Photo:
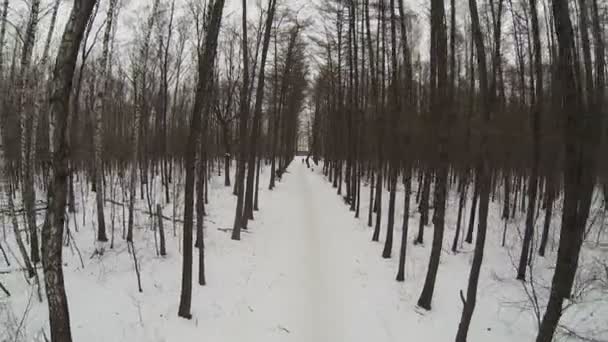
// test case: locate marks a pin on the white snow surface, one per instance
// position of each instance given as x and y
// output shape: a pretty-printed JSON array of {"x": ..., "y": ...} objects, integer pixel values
[{"x": 305, "y": 271}]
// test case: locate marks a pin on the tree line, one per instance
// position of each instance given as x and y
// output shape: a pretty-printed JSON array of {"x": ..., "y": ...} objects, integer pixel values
[
  {"x": 510, "y": 99},
  {"x": 193, "y": 93}
]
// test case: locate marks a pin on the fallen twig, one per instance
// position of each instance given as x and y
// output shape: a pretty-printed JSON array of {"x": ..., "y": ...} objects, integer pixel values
[
  {"x": 3, "y": 288},
  {"x": 230, "y": 229}
]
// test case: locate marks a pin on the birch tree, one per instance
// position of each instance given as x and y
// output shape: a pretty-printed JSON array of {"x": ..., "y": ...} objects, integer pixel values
[
  {"x": 52, "y": 232},
  {"x": 206, "y": 59},
  {"x": 27, "y": 81},
  {"x": 98, "y": 124}
]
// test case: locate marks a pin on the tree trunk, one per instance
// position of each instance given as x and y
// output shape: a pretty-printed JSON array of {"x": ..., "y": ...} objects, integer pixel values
[
  {"x": 52, "y": 233},
  {"x": 439, "y": 95},
  {"x": 537, "y": 104},
  {"x": 259, "y": 99},
  {"x": 407, "y": 180},
  {"x": 549, "y": 199},
  {"x": 140, "y": 92},
  {"x": 244, "y": 117},
  {"x": 98, "y": 115},
  {"x": 3, "y": 33},
  {"x": 27, "y": 79},
  {"x": 483, "y": 177},
  {"x": 461, "y": 202},
  {"x": 423, "y": 207},
  {"x": 205, "y": 74},
  {"x": 469, "y": 237},
  {"x": 379, "y": 187},
  {"x": 581, "y": 138},
  {"x": 161, "y": 230},
  {"x": 394, "y": 122},
  {"x": 371, "y": 201}
]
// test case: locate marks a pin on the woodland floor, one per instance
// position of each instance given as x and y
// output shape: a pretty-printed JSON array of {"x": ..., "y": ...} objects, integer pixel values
[{"x": 305, "y": 270}]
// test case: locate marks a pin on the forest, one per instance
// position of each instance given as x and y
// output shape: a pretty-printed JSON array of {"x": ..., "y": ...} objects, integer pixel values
[{"x": 284, "y": 170}]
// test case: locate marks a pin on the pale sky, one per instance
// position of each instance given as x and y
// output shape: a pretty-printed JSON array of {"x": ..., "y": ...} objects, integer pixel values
[{"x": 134, "y": 12}]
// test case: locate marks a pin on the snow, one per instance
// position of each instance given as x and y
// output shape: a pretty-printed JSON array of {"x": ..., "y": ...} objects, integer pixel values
[{"x": 305, "y": 270}]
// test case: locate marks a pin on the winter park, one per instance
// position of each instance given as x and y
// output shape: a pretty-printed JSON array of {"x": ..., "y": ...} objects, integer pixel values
[{"x": 303, "y": 171}]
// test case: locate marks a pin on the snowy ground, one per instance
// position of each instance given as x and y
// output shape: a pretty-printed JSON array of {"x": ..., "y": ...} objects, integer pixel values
[{"x": 306, "y": 270}]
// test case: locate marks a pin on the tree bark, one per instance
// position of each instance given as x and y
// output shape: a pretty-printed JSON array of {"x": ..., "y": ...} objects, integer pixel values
[
  {"x": 257, "y": 114},
  {"x": 27, "y": 79},
  {"x": 140, "y": 90},
  {"x": 244, "y": 117},
  {"x": 205, "y": 74},
  {"x": 98, "y": 115},
  {"x": 439, "y": 95},
  {"x": 5, "y": 4},
  {"x": 407, "y": 180},
  {"x": 537, "y": 106},
  {"x": 581, "y": 138},
  {"x": 483, "y": 177},
  {"x": 52, "y": 232}
]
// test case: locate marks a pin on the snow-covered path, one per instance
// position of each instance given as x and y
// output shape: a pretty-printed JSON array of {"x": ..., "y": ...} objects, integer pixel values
[
  {"x": 307, "y": 271},
  {"x": 310, "y": 266}
]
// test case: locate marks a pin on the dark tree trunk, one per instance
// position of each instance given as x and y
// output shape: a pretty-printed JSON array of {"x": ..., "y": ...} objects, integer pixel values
[
  {"x": 469, "y": 237},
  {"x": 371, "y": 201},
  {"x": 376, "y": 235},
  {"x": 507, "y": 199},
  {"x": 483, "y": 177},
  {"x": 535, "y": 126},
  {"x": 244, "y": 117},
  {"x": 423, "y": 208},
  {"x": 256, "y": 205},
  {"x": 581, "y": 138},
  {"x": 462, "y": 199},
  {"x": 393, "y": 172},
  {"x": 52, "y": 232},
  {"x": 257, "y": 116},
  {"x": 161, "y": 230},
  {"x": 549, "y": 198},
  {"x": 407, "y": 180},
  {"x": 438, "y": 102},
  {"x": 205, "y": 74}
]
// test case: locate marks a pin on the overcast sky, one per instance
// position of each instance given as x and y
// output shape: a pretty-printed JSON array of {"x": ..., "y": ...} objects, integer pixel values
[{"x": 134, "y": 12}]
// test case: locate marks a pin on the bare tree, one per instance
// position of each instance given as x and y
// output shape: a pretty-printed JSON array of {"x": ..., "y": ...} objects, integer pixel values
[
  {"x": 439, "y": 95},
  {"x": 581, "y": 138},
  {"x": 27, "y": 83},
  {"x": 537, "y": 107},
  {"x": 98, "y": 116},
  {"x": 244, "y": 117},
  {"x": 257, "y": 113},
  {"x": 483, "y": 176},
  {"x": 206, "y": 59},
  {"x": 52, "y": 232}
]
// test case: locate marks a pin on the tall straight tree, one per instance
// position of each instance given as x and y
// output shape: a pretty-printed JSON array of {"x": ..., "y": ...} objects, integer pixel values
[
  {"x": 244, "y": 117},
  {"x": 407, "y": 177},
  {"x": 27, "y": 84},
  {"x": 52, "y": 231},
  {"x": 380, "y": 122},
  {"x": 581, "y": 138},
  {"x": 537, "y": 107},
  {"x": 206, "y": 59},
  {"x": 394, "y": 121},
  {"x": 139, "y": 81},
  {"x": 483, "y": 177},
  {"x": 43, "y": 87},
  {"x": 439, "y": 95},
  {"x": 257, "y": 113},
  {"x": 102, "y": 66}
]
